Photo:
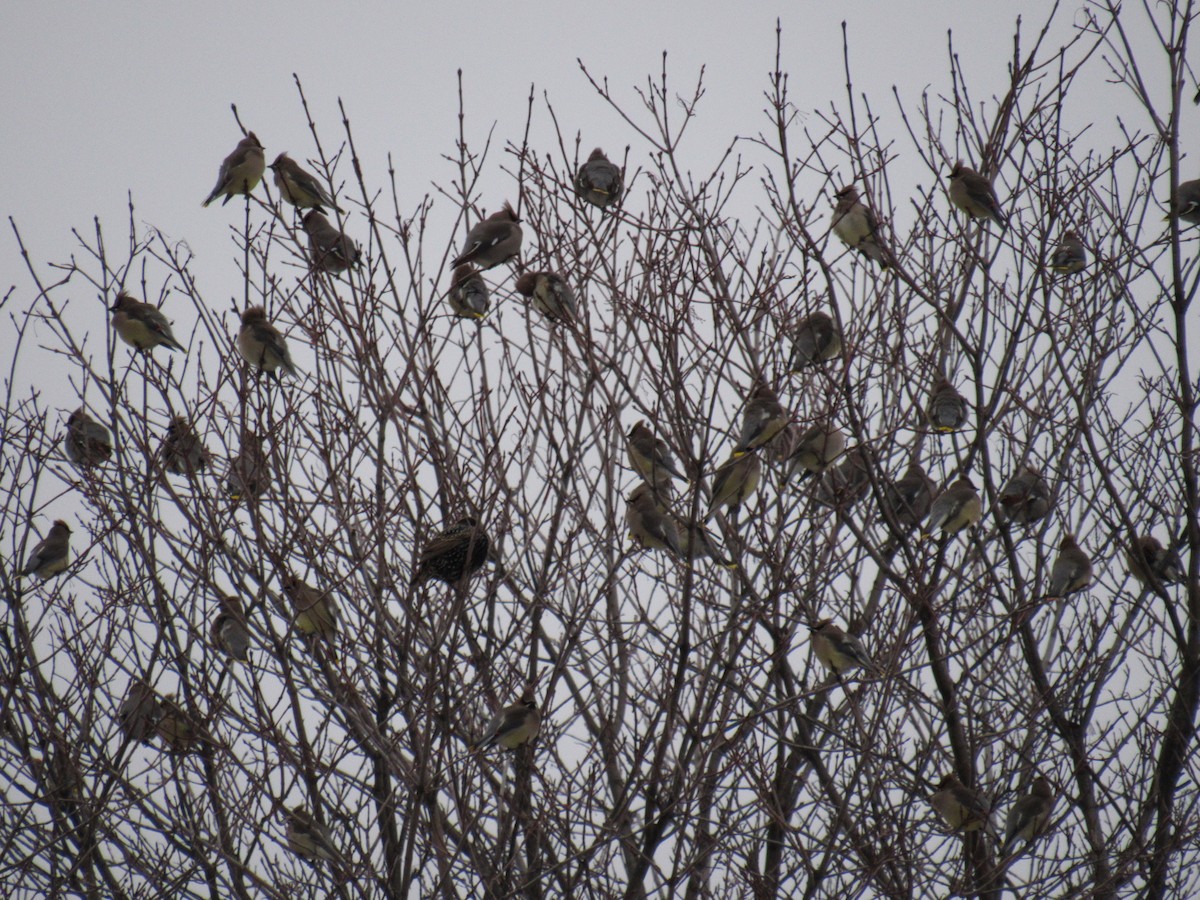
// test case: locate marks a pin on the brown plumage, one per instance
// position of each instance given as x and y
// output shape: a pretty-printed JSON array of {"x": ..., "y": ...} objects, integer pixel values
[
  {"x": 763, "y": 418},
  {"x": 241, "y": 170},
  {"x": 551, "y": 295},
  {"x": 493, "y": 241},
  {"x": 468, "y": 296},
  {"x": 855, "y": 225},
  {"x": 181, "y": 452},
  {"x": 261, "y": 344},
  {"x": 959, "y": 806},
  {"x": 911, "y": 496},
  {"x": 847, "y": 482},
  {"x": 139, "y": 712},
  {"x": 457, "y": 553},
  {"x": 974, "y": 195},
  {"x": 1025, "y": 498},
  {"x": 1072, "y": 570},
  {"x": 1070, "y": 256},
  {"x": 947, "y": 410},
  {"x": 599, "y": 181},
  {"x": 142, "y": 325},
  {"x": 332, "y": 249},
  {"x": 817, "y": 339},
  {"x": 249, "y": 472},
  {"x": 52, "y": 554},
  {"x": 229, "y": 632},
  {"x": 956, "y": 508},
  {"x": 815, "y": 450},
  {"x": 1149, "y": 560},
  {"x": 88, "y": 443},
  {"x": 513, "y": 725},
  {"x": 300, "y": 187},
  {"x": 650, "y": 526}
]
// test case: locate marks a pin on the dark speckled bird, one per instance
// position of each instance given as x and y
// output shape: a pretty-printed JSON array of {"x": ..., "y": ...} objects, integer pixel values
[
  {"x": 182, "y": 453},
  {"x": 456, "y": 553}
]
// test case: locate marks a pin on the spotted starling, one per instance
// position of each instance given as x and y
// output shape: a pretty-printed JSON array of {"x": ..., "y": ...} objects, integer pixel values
[{"x": 458, "y": 552}]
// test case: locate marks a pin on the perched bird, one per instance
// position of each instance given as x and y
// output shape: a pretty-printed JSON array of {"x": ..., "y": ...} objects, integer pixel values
[
  {"x": 734, "y": 482},
  {"x": 974, "y": 195},
  {"x": 174, "y": 728},
  {"x": 551, "y": 294},
  {"x": 300, "y": 187},
  {"x": 142, "y": 325},
  {"x": 308, "y": 838},
  {"x": 1029, "y": 816},
  {"x": 650, "y": 526},
  {"x": 229, "y": 632},
  {"x": 847, "y": 482},
  {"x": 1071, "y": 572},
  {"x": 1185, "y": 203},
  {"x": 1070, "y": 256},
  {"x": 88, "y": 443},
  {"x": 454, "y": 555},
  {"x": 249, "y": 472},
  {"x": 260, "y": 344},
  {"x": 469, "y": 293},
  {"x": 763, "y": 418},
  {"x": 700, "y": 543},
  {"x": 855, "y": 225},
  {"x": 1150, "y": 561},
  {"x": 52, "y": 553},
  {"x": 241, "y": 170},
  {"x": 815, "y": 450},
  {"x": 956, "y": 508},
  {"x": 817, "y": 340},
  {"x": 181, "y": 452},
  {"x": 314, "y": 614},
  {"x": 839, "y": 652},
  {"x": 960, "y": 807},
  {"x": 1025, "y": 498},
  {"x": 512, "y": 726},
  {"x": 495, "y": 240},
  {"x": 652, "y": 459},
  {"x": 911, "y": 496},
  {"x": 139, "y": 712},
  {"x": 599, "y": 181},
  {"x": 332, "y": 250},
  {"x": 947, "y": 410}
]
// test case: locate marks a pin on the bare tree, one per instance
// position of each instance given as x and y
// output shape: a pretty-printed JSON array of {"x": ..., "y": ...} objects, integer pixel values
[{"x": 429, "y": 523}]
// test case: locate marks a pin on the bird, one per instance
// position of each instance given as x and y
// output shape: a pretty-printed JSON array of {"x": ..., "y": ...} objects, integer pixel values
[
  {"x": 734, "y": 482},
  {"x": 469, "y": 293},
  {"x": 974, "y": 195},
  {"x": 816, "y": 340},
  {"x": 1030, "y": 815},
  {"x": 249, "y": 472},
  {"x": 314, "y": 613},
  {"x": 848, "y": 482},
  {"x": 960, "y": 807},
  {"x": 599, "y": 181},
  {"x": 139, "y": 712},
  {"x": 551, "y": 294},
  {"x": 516, "y": 724},
  {"x": 88, "y": 443},
  {"x": 815, "y": 450},
  {"x": 241, "y": 170},
  {"x": 493, "y": 241},
  {"x": 52, "y": 554},
  {"x": 763, "y": 418},
  {"x": 332, "y": 250},
  {"x": 1070, "y": 257},
  {"x": 652, "y": 459},
  {"x": 142, "y": 325},
  {"x": 911, "y": 496},
  {"x": 308, "y": 838},
  {"x": 454, "y": 555},
  {"x": 1149, "y": 560},
  {"x": 700, "y": 543},
  {"x": 947, "y": 410},
  {"x": 838, "y": 652},
  {"x": 1072, "y": 570},
  {"x": 650, "y": 526},
  {"x": 855, "y": 225},
  {"x": 956, "y": 508},
  {"x": 300, "y": 187},
  {"x": 229, "y": 632},
  {"x": 1025, "y": 497},
  {"x": 182, "y": 452},
  {"x": 260, "y": 344},
  {"x": 174, "y": 727},
  {"x": 1185, "y": 202}
]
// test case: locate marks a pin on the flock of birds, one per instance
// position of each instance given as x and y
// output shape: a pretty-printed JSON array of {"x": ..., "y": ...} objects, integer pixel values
[{"x": 453, "y": 556}]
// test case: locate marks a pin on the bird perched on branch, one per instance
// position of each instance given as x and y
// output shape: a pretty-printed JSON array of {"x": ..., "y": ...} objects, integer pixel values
[
  {"x": 956, "y": 508},
  {"x": 468, "y": 294},
  {"x": 735, "y": 481},
  {"x": 1072, "y": 570},
  {"x": 960, "y": 807},
  {"x": 911, "y": 496},
  {"x": 512, "y": 726},
  {"x": 241, "y": 170},
  {"x": 139, "y": 712},
  {"x": 308, "y": 838},
  {"x": 763, "y": 418},
  {"x": 493, "y": 241},
  {"x": 817, "y": 339},
  {"x": 1185, "y": 203},
  {"x": 142, "y": 325},
  {"x": 229, "y": 632},
  {"x": 454, "y": 555},
  {"x": 332, "y": 249},
  {"x": 249, "y": 472},
  {"x": 599, "y": 181},
  {"x": 855, "y": 225},
  {"x": 181, "y": 452},
  {"x": 974, "y": 195},
  {"x": 1025, "y": 498},
  {"x": 260, "y": 344},
  {"x": 1029, "y": 816},
  {"x": 52, "y": 554},
  {"x": 1069, "y": 256},
  {"x": 1149, "y": 560},
  {"x": 848, "y": 482},
  {"x": 314, "y": 613},
  {"x": 300, "y": 187},
  {"x": 838, "y": 652},
  {"x": 947, "y": 410},
  {"x": 174, "y": 727},
  {"x": 551, "y": 294},
  {"x": 651, "y": 458},
  {"x": 650, "y": 525},
  {"x": 88, "y": 443},
  {"x": 815, "y": 450}
]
